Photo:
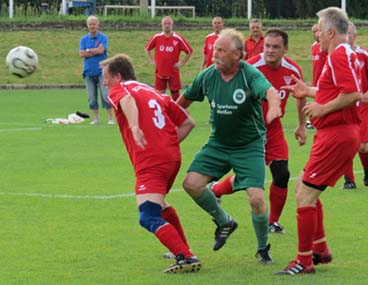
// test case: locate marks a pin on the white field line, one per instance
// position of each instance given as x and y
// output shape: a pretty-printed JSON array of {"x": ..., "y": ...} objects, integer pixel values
[
  {"x": 96, "y": 197},
  {"x": 20, "y": 129}
]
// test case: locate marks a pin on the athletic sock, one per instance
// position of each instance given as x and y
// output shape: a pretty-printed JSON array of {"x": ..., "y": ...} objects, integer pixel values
[
  {"x": 319, "y": 234},
  {"x": 207, "y": 201},
  {"x": 260, "y": 225},
  {"x": 170, "y": 238},
  {"x": 277, "y": 198},
  {"x": 169, "y": 215},
  {"x": 224, "y": 187},
  {"x": 307, "y": 220},
  {"x": 364, "y": 160},
  {"x": 349, "y": 174}
]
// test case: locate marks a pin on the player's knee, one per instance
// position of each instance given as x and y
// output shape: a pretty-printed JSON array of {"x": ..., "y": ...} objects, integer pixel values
[
  {"x": 280, "y": 173},
  {"x": 150, "y": 216},
  {"x": 257, "y": 202},
  {"x": 193, "y": 187}
]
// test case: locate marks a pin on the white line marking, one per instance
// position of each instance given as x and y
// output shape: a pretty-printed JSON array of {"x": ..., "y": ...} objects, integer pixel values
[{"x": 20, "y": 130}]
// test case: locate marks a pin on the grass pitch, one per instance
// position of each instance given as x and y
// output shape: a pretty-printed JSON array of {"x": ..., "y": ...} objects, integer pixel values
[{"x": 69, "y": 214}]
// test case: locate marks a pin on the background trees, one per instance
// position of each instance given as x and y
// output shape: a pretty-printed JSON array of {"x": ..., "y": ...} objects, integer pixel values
[{"x": 288, "y": 9}]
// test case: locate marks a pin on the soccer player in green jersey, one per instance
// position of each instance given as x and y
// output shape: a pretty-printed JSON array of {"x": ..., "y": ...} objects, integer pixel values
[{"x": 234, "y": 90}]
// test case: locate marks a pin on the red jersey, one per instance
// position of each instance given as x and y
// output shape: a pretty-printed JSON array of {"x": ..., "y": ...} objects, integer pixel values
[
  {"x": 362, "y": 55},
  {"x": 167, "y": 52},
  {"x": 208, "y": 47},
  {"x": 278, "y": 77},
  {"x": 341, "y": 74},
  {"x": 253, "y": 48},
  {"x": 158, "y": 118},
  {"x": 319, "y": 57}
]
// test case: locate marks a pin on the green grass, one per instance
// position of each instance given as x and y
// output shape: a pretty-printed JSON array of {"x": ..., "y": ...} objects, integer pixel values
[
  {"x": 60, "y": 63},
  {"x": 69, "y": 216}
]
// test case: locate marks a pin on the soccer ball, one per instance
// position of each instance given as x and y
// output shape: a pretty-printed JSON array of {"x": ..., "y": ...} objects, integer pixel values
[{"x": 22, "y": 61}]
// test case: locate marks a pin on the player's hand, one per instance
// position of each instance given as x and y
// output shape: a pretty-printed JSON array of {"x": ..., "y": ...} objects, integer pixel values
[
  {"x": 299, "y": 89},
  {"x": 365, "y": 98},
  {"x": 139, "y": 137},
  {"x": 300, "y": 134},
  {"x": 178, "y": 65},
  {"x": 313, "y": 110}
]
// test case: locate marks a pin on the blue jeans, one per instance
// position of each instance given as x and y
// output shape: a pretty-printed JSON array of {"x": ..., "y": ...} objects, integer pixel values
[{"x": 93, "y": 83}]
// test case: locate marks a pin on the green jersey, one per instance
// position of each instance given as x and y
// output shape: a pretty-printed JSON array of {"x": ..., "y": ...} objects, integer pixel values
[{"x": 236, "y": 111}]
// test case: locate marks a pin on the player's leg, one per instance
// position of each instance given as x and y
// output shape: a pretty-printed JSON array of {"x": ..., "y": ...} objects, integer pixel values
[
  {"x": 321, "y": 252},
  {"x": 91, "y": 87},
  {"x": 278, "y": 193},
  {"x": 349, "y": 178},
  {"x": 175, "y": 86},
  {"x": 250, "y": 171},
  {"x": 329, "y": 158},
  {"x": 363, "y": 155},
  {"x": 306, "y": 223},
  {"x": 208, "y": 164},
  {"x": 160, "y": 84},
  {"x": 150, "y": 201},
  {"x": 257, "y": 201},
  {"x": 168, "y": 212}
]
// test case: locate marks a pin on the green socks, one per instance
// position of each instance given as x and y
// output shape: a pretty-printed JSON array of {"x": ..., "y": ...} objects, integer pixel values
[
  {"x": 260, "y": 224},
  {"x": 207, "y": 201}
]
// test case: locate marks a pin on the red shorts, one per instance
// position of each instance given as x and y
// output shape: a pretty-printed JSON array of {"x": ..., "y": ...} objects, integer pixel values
[
  {"x": 157, "y": 179},
  {"x": 276, "y": 146},
  {"x": 332, "y": 151},
  {"x": 363, "y": 116},
  {"x": 173, "y": 82}
]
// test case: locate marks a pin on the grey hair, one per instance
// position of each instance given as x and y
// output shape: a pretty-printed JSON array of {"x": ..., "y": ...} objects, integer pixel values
[
  {"x": 353, "y": 28},
  {"x": 92, "y": 17},
  {"x": 334, "y": 18},
  {"x": 237, "y": 39},
  {"x": 255, "y": 21}
]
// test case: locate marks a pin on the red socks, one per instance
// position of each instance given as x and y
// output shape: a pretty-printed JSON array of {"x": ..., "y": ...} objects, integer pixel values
[
  {"x": 320, "y": 230},
  {"x": 307, "y": 222},
  {"x": 277, "y": 198},
  {"x": 224, "y": 187},
  {"x": 364, "y": 160},
  {"x": 169, "y": 215},
  {"x": 170, "y": 238}
]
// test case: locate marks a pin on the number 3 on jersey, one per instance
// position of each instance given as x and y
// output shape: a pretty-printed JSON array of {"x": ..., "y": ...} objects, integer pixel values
[{"x": 158, "y": 119}]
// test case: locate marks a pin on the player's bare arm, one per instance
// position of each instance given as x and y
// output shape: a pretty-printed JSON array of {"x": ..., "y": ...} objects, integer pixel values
[
  {"x": 274, "y": 101},
  {"x": 183, "y": 102},
  {"x": 316, "y": 110},
  {"x": 185, "y": 128},
  {"x": 150, "y": 57},
  {"x": 131, "y": 113}
]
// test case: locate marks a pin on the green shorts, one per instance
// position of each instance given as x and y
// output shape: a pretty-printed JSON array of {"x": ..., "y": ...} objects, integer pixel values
[{"x": 248, "y": 163}]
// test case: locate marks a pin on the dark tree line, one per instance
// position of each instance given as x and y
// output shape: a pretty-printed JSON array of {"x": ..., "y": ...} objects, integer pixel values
[{"x": 288, "y": 9}]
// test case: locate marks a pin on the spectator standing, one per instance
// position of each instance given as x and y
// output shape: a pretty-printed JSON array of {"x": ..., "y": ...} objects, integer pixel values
[{"x": 93, "y": 49}]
